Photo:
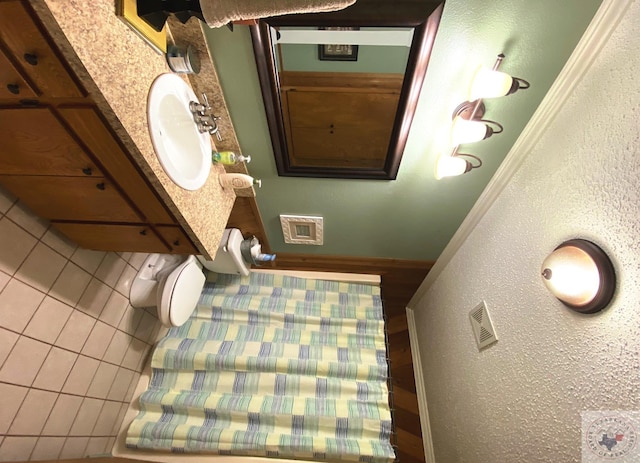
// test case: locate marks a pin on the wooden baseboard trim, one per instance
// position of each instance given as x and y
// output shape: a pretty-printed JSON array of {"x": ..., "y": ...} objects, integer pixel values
[{"x": 347, "y": 264}]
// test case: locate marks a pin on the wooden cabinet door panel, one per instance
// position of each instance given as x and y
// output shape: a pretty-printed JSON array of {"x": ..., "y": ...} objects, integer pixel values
[
  {"x": 339, "y": 147},
  {"x": 32, "y": 50},
  {"x": 71, "y": 198},
  {"x": 177, "y": 239},
  {"x": 34, "y": 142},
  {"x": 111, "y": 237},
  {"x": 12, "y": 85},
  {"x": 90, "y": 128},
  {"x": 371, "y": 111}
]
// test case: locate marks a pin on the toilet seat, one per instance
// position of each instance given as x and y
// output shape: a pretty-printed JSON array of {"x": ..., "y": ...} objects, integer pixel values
[{"x": 180, "y": 293}]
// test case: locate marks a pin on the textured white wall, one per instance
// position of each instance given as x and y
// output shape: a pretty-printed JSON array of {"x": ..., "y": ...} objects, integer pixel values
[{"x": 520, "y": 400}]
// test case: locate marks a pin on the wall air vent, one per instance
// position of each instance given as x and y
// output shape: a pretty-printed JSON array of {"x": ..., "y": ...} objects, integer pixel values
[
  {"x": 482, "y": 327},
  {"x": 302, "y": 229}
]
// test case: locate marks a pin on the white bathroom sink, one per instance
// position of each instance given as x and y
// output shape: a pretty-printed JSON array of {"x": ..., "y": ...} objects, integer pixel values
[{"x": 183, "y": 152}]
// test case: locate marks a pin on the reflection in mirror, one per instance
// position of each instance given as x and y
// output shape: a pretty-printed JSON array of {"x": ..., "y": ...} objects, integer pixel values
[{"x": 340, "y": 94}]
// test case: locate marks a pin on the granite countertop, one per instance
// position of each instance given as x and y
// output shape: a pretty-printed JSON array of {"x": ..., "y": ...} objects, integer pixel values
[{"x": 117, "y": 68}]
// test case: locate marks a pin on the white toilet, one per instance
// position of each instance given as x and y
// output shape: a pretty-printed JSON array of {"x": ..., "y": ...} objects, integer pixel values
[{"x": 173, "y": 283}]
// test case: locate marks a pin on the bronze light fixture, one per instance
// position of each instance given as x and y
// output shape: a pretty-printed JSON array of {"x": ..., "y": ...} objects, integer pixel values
[
  {"x": 468, "y": 125},
  {"x": 580, "y": 274}
]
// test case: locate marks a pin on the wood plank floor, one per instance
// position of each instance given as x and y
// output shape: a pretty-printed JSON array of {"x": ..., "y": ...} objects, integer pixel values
[{"x": 397, "y": 289}]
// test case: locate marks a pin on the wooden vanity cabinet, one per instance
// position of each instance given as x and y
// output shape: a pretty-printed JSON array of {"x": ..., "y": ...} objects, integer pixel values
[
  {"x": 177, "y": 239},
  {"x": 35, "y": 142},
  {"x": 61, "y": 159},
  {"x": 30, "y": 49},
  {"x": 12, "y": 84},
  {"x": 110, "y": 237},
  {"x": 89, "y": 128}
]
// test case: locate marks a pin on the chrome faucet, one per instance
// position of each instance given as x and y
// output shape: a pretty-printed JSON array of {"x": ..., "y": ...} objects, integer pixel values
[{"x": 204, "y": 118}]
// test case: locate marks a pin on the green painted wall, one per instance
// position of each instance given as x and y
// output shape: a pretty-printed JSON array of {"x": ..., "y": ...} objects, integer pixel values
[
  {"x": 381, "y": 59},
  {"x": 414, "y": 216},
  {"x": 389, "y": 60}
]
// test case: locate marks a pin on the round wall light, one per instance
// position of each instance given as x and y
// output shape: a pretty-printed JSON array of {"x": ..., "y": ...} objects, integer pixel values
[{"x": 580, "y": 275}]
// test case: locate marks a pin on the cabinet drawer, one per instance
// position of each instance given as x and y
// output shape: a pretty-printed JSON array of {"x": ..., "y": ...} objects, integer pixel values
[
  {"x": 111, "y": 237},
  {"x": 89, "y": 127},
  {"x": 34, "y": 142},
  {"x": 33, "y": 52},
  {"x": 178, "y": 240},
  {"x": 71, "y": 198},
  {"x": 12, "y": 85}
]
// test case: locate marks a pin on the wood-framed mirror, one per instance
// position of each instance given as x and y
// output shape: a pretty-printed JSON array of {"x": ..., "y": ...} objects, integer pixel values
[{"x": 354, "y": 151}]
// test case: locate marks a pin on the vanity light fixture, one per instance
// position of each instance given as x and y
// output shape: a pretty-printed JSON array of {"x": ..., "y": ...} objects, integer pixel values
[
  {"x": 580, "y": 274},
  {"x": 469, "y": 131},
  {"x": 491, "y": 83},
  {"x": 455, "y": 164},
  {"x": 468, "y": 125}
]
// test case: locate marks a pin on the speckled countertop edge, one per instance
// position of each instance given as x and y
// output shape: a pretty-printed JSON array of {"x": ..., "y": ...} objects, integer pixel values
[{"x": 117, "y": 68}]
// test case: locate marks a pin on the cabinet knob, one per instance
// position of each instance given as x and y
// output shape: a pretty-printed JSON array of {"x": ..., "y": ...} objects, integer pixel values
[
  {"x": 31, "y": 59},
  {"x": 101, "y": 186},
  {"x": 176, "y": 243},
  {"x": 13, "y": 88},
  {"x": 143, "y": 232},
  {"x": 87, "y": 171}
]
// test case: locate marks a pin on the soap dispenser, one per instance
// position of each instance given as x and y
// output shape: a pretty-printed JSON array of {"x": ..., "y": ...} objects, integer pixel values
[
  {"x": 229, "y": 158},
  {"x": 238, "y": 181}
]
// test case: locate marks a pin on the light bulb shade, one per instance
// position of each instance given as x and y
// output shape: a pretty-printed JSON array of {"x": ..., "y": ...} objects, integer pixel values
[
  {"x": 580, "y": 275},
  {"x": 488, "y": 83},
  {"x": 468, "y": 131},
  {"x": 450, "y": 166}
]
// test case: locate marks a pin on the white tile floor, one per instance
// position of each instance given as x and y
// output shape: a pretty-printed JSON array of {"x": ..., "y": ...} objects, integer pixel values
[{"x": 71, "y": 346}]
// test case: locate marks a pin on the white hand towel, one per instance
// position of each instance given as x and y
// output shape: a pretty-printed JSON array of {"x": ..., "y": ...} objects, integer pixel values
[{"x": 217, "y": 13}]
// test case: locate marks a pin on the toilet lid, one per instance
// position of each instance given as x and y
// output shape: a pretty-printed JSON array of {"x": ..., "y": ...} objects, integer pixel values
[{"x": 181, "y": 293}]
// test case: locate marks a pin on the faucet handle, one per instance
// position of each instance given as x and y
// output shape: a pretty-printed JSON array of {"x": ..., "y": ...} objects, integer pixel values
[
  {"x": 196, "y": 108},
  {"x": 215, "y": 130},
  {"x": 206, "y": 105}
]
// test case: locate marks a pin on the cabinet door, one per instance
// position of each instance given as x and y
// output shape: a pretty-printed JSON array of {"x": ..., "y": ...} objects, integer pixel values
[
  {"x": 340, "y": 128},
  {"x": 71, "y": 198},
  {"x": 177, "y": 239},
  {"x": 34, "y": 142},
  {"x": 91, "y": 130},
  {"x": 33, "y": 52},
  {"x": 111, "y": 237},
  {"x": 12, "y": 85}
]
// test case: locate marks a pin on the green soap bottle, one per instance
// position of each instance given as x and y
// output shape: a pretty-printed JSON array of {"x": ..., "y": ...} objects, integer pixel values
[{"x": 228, "y": 158}]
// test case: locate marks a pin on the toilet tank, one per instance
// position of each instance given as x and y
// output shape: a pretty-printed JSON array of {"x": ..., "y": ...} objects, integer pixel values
[{"x": 228, "y": 258}]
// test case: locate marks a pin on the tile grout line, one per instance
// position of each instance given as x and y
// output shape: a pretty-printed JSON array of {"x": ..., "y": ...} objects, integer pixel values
[
  {"x": 69, "y": 393},
  {"x": 21, "y": 333},
  {"x": 149, "y": 344},
  {"x": 146, "y": 338}
]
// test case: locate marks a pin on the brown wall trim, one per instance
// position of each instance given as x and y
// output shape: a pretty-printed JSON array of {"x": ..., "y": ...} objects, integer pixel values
[{"x": 347, "y": 264}]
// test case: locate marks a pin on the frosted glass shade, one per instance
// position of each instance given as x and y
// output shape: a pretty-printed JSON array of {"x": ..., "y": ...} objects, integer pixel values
[
  {"x": 450, "y": 166},
  {"x": 488, "y": 83},
  {"x": 580, "y": 275},
  {"x": 465, "y": 131}
]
